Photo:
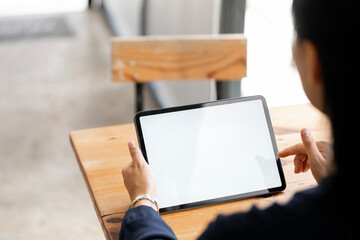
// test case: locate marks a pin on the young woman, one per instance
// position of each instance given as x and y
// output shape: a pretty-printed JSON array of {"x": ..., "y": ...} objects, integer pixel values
[{"x": 326, "y": 52}]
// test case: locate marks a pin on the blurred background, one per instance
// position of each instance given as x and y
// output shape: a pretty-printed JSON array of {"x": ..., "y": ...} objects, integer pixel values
[{"x": 55, "y": 77}]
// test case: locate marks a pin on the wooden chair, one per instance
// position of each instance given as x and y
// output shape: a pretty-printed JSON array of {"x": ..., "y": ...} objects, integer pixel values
[{"x": 148, "y": 58}]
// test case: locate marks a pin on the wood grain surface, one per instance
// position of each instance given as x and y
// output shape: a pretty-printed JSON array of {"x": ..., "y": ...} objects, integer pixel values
[
  {"x": 102, "y": 153},
  {"x": 148, "y": 58}
]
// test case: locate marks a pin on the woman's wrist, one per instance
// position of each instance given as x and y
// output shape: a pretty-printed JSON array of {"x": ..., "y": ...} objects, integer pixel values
[
  {"x": 145, "y": 202},
  {"x": 145, "y": 199}
]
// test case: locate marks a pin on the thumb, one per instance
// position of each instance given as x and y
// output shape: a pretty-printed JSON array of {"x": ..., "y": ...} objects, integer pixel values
[
  {"x": 136, "y": 155},
  {"x": 309, "y": 144}
]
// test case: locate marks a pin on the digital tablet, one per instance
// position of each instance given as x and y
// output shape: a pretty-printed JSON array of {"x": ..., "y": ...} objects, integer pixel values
[{"x": 211, "y": 152}]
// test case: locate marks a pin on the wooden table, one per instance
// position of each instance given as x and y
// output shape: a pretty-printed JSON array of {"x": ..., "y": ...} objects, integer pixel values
[{"x": 103, "y": 152}]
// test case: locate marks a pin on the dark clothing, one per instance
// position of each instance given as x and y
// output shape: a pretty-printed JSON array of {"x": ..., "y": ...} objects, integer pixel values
[
  {"x": 143, "y": 222},
  {"x": 309, "y": 215}
]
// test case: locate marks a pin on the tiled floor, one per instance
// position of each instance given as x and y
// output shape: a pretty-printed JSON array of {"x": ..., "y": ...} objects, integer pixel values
[{"x": 49, "y": 87}]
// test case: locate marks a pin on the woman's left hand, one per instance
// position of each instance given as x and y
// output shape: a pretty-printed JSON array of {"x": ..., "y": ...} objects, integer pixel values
[{"x": 138, "y": 177}]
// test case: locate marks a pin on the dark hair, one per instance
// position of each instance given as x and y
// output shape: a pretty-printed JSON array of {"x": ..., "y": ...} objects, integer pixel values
[{"x": 332, "y": 26}]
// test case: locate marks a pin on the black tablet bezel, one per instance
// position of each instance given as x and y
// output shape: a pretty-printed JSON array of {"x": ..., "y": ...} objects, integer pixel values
[{"x": 204, "y": 105}]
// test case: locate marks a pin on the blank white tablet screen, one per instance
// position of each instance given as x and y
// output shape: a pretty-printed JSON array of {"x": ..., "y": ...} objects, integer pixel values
[{"x": 212, "y": 152}]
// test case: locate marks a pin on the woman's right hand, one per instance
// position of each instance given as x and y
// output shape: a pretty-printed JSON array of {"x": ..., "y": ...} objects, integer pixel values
[{"x": 310, "y": 155}]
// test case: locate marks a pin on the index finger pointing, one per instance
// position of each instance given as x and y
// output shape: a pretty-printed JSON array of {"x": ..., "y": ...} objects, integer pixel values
[
  {"x": 293, "y": 150},
  {"x": 136, "y": 155}
]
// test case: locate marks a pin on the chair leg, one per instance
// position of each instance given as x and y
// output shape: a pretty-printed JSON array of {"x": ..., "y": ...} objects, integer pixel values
[
  {"x": 139, "y": 97},
  {"x": 228, "y": 89},
  {"x": 219, "y": 90}
]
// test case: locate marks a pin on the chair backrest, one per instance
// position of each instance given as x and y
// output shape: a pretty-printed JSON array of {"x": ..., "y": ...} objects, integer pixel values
[{"x": 148, "y": 58}]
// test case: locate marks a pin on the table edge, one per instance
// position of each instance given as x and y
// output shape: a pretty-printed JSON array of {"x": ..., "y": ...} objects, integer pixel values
[{"x": 88, "y": 186}]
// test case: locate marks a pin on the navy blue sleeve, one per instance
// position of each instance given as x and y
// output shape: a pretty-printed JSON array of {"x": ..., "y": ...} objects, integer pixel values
[{"x": 142, "y": 223}]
